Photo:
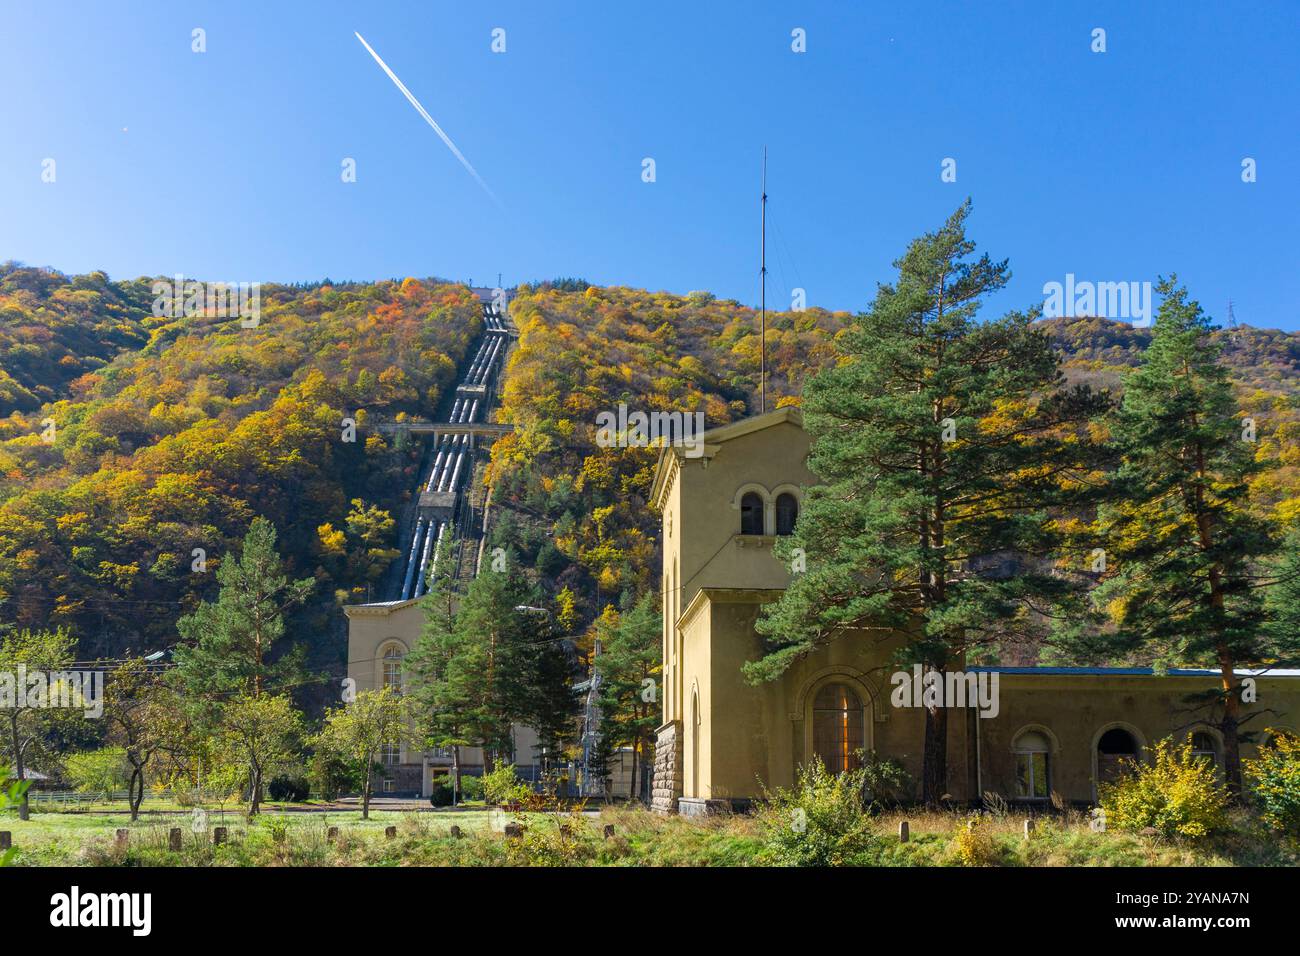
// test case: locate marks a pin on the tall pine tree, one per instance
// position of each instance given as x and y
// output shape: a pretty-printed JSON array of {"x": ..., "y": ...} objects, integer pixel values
[
  {"x": 940, "y": 442},
  {"x": 1187, "y": 561}
]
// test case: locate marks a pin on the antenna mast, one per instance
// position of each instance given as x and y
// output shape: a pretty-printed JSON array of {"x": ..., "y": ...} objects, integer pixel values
[{"x": 762, "y": 345}]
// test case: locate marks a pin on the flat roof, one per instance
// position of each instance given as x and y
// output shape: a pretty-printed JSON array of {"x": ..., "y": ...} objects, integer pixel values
[{"x": 1135, "y": 671}]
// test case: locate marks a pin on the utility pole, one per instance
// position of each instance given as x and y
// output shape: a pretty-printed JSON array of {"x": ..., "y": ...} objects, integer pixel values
[{"x": 762, "y": 345}]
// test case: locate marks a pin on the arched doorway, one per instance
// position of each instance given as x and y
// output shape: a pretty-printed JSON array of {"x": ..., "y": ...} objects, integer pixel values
[
  {"x": 838, "y": 727},
  {"x": 1114, "y": 747}
]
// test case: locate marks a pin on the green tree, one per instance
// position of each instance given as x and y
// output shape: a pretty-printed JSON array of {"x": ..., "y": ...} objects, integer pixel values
[
  {"x": 1187, "y": 559},
  {"x": 98, "y": 771},
  {"x": 262, "y": 734},
  {"x": 357, "y": 732},
  {"x": 941, "y": 442},
  {"x": 231, "y": 640},
  {"x": 630, "y": 665},
  {"x": 144, "y": 718},
  {"x": 27, "y": 719}
]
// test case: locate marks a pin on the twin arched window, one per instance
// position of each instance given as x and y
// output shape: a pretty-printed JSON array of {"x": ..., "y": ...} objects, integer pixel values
[{"x": 752, "y": 508}]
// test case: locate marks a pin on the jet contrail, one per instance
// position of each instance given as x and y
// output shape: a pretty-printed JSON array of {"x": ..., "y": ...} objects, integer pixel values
[{"x": 428, "y": 119}]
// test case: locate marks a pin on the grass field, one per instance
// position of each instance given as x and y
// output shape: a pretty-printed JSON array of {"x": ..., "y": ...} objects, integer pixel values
[{"x": 285, "y": 836}]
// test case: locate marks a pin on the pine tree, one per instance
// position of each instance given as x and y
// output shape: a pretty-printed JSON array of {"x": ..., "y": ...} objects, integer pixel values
[
  {"x": 629, "y": 666},
  {"x": 1185, "y": 555},
  {"x": 940, "y": 442}
]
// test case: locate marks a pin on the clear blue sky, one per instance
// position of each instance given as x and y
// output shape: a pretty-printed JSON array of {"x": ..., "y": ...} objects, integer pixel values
[{"x": 226, "y": 165}]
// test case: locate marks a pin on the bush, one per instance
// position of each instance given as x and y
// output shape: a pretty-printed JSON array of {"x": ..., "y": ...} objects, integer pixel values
[
  {"x": 471, "y": 788},
  {"x": 974, "y": 844},
  {"x": 1179, "y": 794},
  {"x": 1275, "y": 782},
  {"x": 821, "y": 822},
  {"x": 501, "y": 786},
  {"x": 288, "y": 789},
  {"x": 886, "y": 782},
  {"x": 441, "y": 795},
  {"x": 330, "y": 775}
]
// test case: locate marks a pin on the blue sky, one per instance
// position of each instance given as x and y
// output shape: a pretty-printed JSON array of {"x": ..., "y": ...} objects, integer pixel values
[{"x": 225, "y": 165}]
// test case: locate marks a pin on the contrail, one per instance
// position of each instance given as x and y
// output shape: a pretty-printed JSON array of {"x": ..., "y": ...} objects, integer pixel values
[{"x": 428, "y": 119}]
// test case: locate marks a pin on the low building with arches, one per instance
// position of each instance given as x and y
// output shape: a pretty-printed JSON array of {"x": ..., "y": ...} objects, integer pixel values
[{"x": 1055, "y": 733}]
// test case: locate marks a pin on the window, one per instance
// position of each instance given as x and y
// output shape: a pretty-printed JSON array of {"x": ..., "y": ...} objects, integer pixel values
[
  {"x": 751, "y": 513},
  {"x": 1205, "y": 747},
  {"x": 1115, "y": 747},
  {"x": 787, "y": 513},
  {"x": 1033, "y": 766},
  {"x": 838, "y": 728},
  {"x": 393, "y": 668},
  {"x": 390, "y": 754}
]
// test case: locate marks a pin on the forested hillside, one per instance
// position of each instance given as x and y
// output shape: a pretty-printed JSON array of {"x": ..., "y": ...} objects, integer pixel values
[
  {"x": 171, "y": 435},
  {"x": 174, "y": 434}
]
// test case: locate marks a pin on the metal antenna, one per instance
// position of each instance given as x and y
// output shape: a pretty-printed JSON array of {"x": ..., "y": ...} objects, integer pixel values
[{"x": 762, "y": 345}]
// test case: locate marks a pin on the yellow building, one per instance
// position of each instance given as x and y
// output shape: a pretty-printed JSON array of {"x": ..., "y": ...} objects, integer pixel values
[{"x": 1044, "y": 731}]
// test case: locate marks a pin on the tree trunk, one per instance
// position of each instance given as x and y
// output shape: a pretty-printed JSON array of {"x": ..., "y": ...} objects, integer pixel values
[
  {"x": 455, "y": 775},
  {"x": 365, "y": 790},
  {"x": 636, "y": 762},
  {"x": 24, "y": 808},
  {"x": 255, "y": 797},
  {"x": 1229, "y": 725},
  {"x": 934, "y": 771},
  {"x": 135, "y": 792}
]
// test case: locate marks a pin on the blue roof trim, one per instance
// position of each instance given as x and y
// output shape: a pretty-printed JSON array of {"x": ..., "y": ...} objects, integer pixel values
[{"x": 1130, "y": 672}]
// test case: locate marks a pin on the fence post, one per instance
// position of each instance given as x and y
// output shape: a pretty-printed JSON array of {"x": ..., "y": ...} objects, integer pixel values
[
  {"x": 174, "y": 838},
  {"x": 904, "y": 831},
  {"x": 6, "y": 840}
]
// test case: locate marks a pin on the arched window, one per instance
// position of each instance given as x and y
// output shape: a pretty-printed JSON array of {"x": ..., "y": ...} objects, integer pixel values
[
  {"x": 838, "y": 727},
  {"x": 1205, "y": 747},
  {"x": 787, "y": 512},
  {"x": 1114, "y": 748},
  {"x": 751, "y": 513},
  {"x": 1033, "y": 766},
  {"x": 393, "y": 668}
]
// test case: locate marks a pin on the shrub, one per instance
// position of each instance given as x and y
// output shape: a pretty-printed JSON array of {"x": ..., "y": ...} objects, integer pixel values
[
  {"x": 886, "y": 782},
  {"x": 821, "y": 822},
  {"x": 440, "y": 795},
  {"x": 1178, "y": 794},
  {"x": 501, "y": 786},
  {"x": 288, "y": 788},
  {"x": 974, "y": 844},
  {"x": 471, "y": 788},
  {"x": 1275, "y": 781}
]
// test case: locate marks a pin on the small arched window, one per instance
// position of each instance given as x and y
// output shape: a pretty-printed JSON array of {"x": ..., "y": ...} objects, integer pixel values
[
  {"x": 751, "y": 513},
  {"x": 839, "y": 728},
  {"x": 787, "y": 512},
  {"x": 1033, "y": 766},
  {"x": 393, "y": 668}
]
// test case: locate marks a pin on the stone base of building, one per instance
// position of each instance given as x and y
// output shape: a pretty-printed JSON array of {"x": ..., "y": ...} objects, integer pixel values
[
  {"x": 702, "y": 807},
  {"x": 667, "y": 786}
]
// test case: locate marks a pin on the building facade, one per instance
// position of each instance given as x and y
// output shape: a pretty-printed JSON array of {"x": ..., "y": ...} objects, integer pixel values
[{"x": 1046, "y": 733}]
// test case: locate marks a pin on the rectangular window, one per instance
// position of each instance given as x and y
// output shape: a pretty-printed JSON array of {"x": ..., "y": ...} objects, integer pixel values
[{"x": 1031, "y": 776}]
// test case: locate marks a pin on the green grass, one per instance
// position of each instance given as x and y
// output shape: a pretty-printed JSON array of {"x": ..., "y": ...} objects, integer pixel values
[{"x": 641, "y": 838}]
